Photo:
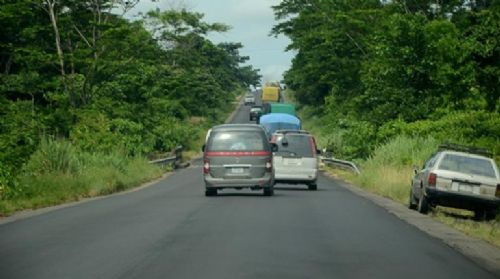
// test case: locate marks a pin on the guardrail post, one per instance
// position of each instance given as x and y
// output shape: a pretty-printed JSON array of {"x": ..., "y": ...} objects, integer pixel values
[{"x": 178, "y": 156}]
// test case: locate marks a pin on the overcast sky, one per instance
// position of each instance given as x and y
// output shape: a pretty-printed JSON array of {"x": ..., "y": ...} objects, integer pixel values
[{"x": 251, "y": 22}]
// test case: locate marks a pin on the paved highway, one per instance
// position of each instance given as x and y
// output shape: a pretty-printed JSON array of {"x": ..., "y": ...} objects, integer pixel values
[{"x": 171, "y": 230}]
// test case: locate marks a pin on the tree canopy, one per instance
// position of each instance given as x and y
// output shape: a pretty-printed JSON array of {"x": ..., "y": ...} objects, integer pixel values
[{"x": 81, "y": 71}]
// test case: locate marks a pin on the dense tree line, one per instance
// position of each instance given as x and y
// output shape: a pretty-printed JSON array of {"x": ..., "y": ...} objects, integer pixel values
[
  {"x": 82, "y": 71},
  {"x": 375, "y": 69}
]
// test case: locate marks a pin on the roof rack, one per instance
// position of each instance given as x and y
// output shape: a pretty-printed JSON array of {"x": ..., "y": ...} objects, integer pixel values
[
  {"x": 464, "y": 148},
  {"x": 291, "y": 132}
]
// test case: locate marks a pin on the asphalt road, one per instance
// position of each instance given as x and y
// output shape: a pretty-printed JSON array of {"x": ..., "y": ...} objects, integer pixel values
[{"x": 171, "y": 230}]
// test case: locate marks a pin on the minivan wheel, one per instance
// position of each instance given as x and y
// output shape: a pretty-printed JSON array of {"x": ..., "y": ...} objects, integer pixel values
[
  {"x": 312, "y": 186},
  {"x": 413, "y": 202},
  {"x": 210, "y": 192},
  {"x": 268, "y": 191},
  {"x": 423, "y": 205}
]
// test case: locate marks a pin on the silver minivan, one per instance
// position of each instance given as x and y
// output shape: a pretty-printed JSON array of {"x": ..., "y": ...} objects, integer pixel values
[
  {"x": 296, "y": 160},
  {"x": 238, "y": 156}
]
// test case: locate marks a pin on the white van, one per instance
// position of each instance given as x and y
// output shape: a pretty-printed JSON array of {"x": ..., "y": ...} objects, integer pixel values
[{"x": 296, "y": 160}]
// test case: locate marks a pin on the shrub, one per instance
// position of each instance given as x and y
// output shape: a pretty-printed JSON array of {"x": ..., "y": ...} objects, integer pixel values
[{"x": 53, "y": 156}]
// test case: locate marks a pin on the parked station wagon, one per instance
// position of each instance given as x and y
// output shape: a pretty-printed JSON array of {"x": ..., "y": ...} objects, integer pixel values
[{"x": 459, "y": 177}]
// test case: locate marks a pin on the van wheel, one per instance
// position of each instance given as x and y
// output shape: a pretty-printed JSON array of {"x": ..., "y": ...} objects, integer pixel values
[
  {"x": 312, "y": 186},
  {"x": 423, "y": 205},
  {"x": 210, "y": 192},
  {"x": 268, "y": 192},
  {"x": 413, "y": 202}
]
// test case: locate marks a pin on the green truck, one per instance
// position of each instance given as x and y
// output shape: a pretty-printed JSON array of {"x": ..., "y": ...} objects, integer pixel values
[{"x": 279, "y": 108}]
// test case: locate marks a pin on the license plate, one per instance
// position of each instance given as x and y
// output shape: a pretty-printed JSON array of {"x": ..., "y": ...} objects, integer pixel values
[
  {"x": 291, "y": 161},
  {"x": 237, "y": 170},
  {"x": 464, "y": 188}
]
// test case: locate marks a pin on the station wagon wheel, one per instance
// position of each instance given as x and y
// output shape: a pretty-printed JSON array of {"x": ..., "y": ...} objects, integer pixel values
[
  {"x": 479, "y": 214},
  {"x": 423, "y": 205},
  {"x": 312, "y": 186},
  {"x": 413, "y": 202},
  {"x": 268, "y": 191}
]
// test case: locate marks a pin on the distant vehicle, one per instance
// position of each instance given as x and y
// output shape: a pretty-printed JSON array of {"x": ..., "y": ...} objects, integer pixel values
[
  {"x": 279, "y": 121},
  {"x": 460, "y": 177},
  {"x": 271, "y": 107},
  {"x": 255, "y": 112},
  {"x": 283, "y": 108},
  {"x": 270, "y": 94},
  {"x": 238, "y": 156},
  {"x": 249, "y": 99},
  {"x": 296, "y": 159}
]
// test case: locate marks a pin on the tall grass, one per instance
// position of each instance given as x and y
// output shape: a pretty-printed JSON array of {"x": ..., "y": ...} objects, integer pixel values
[
  {"x": 389, "y": 170},
  {"x": 57, "y": 172}
]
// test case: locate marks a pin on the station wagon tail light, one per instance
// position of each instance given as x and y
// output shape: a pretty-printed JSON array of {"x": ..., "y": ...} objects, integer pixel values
[
  {"x": 432, "y": 179},
  {"x": 206, "y": 166},
  {"x": 269, "y": 166},
  {"x": 497, "y": 192},
  {"x": 312, "y": 142}
]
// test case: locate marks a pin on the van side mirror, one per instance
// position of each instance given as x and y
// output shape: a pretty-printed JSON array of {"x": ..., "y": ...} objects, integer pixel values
[
  {"x": 415, "y": 169},
  {"x": 274, "y": 147},
  {"x": 318, "y": 152},
  {"x": 203, "y": 148}
]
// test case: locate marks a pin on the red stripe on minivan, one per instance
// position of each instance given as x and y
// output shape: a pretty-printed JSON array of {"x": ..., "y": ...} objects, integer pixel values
[{"x": 238, "y": 153}]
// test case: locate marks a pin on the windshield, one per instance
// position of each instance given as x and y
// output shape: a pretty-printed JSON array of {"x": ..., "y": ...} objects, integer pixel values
[
  {"x": 237, "y": 140},
  {"x": 297, "y": 146},
  {"x": 468, "y": 165}
]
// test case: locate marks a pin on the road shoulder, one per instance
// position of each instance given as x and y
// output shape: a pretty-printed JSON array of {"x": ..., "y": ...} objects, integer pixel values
[{"x": 479, "y": 251}]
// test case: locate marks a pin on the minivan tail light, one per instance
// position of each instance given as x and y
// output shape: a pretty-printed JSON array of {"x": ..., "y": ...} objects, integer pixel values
[
  {"x": 206, "y": 166},
  {"x": 432, "y": 179},
  {"x": 273, "y": 139},
  {"x": 497, "y": 192}
]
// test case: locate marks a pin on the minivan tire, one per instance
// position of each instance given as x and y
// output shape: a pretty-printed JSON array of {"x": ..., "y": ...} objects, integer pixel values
[
  {"x": 210, "y": 192},
  {"x": 312, "y": 186}
]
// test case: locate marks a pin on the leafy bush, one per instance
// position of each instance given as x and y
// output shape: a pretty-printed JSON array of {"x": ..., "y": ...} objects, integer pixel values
[{"x": 53, "y": 156}]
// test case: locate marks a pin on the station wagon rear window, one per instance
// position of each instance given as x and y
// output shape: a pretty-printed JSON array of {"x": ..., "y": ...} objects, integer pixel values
[
  {"x": 298, "y": 146},
  {"x": 237, "y": 141},
  {"x": 467, "y": 165}
]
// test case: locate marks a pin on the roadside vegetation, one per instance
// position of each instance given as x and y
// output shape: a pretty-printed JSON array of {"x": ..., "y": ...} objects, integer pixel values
[
  {"x": 88, "y": 96},
  {"x": 383, "y": 83}
]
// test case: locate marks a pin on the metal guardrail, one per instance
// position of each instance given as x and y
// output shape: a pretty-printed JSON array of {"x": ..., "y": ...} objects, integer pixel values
[
  {"x": 174, "y": 160},
  {"x": 342, "y": 164}
]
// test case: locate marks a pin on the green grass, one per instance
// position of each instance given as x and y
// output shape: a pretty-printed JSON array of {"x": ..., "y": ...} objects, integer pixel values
[{"x": 58, "y": 173}]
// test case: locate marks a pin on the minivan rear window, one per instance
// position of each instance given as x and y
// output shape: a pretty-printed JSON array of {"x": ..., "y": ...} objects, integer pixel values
[
  {"x": 237, "y": 141},
  {"x": 298, "y": 145}
]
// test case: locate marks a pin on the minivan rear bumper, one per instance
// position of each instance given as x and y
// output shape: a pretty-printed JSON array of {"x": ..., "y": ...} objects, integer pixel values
[{"x": 266, "y": 181}]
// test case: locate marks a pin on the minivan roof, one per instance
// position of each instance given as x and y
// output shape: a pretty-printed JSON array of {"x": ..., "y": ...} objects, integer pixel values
[{"x": 238, "y": 127}]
